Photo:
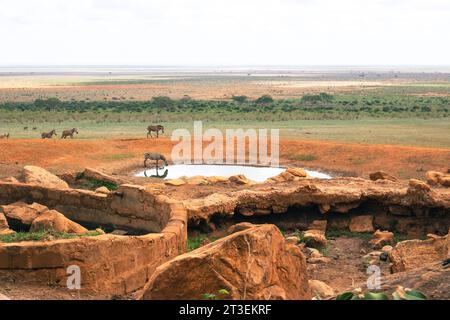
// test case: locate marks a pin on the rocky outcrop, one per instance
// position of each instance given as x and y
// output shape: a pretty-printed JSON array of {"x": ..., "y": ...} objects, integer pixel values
[
  {"x": 381, "y": 175},
  {"x": 330, "y": 196},
  {"x": 21, "y": 215},
  {"x": 411, "y": 254},
  {"x": 255, "y": 263},
  {"x": 361, "y": 224},
  {"x": 381, "y": 239},
  {"x": 38, "y": 176},
  {"x": 291, "y": 174},
  {"x": 438, "y": 178},
  {"x": 53, "y": 220}
]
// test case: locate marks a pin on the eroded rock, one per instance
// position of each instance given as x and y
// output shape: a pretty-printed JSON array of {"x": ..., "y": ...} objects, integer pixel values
[
  {"x": 438, "y": 178},
  {"x": 239, "y": 179},
  {"x": 21, "y": 215},
  {"x": 252, "y": 264},
  {"x": 381, "y": 175},
  {"x": 411, "y": 254},
  {"x": 39, "y": 176},
  {"x": 53, "y": 220}
]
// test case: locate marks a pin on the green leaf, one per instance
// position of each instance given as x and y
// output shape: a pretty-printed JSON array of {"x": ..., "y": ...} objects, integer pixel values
[
  {"x": 345, "y": 296},
  {"x": 224, "y": 292},
  {"x": 209, "y": 296},
  {"x": 375, "y": 296},
  {"x": 416, "y": 294}
]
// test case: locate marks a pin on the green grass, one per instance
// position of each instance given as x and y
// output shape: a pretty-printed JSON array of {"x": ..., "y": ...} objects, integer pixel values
[
  {"x": 117, "y": 156},
  {"x": 43, "y": 235},
  {"x": 195, "y": 242},
  {"x": 302, "y": 157},
  {"x": 93, "y": 184}
]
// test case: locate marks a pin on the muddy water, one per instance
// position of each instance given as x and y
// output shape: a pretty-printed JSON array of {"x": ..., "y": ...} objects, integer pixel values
[{"x": 258, "y": 174}]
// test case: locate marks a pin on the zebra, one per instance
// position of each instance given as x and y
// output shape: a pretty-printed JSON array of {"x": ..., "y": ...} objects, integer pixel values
[
  {"x": 69, "y": 133},
  {"x": 156, "y": 129},
  {"x": 156, "y": 157},
  {"x": 48, "y": 135},
  {"x": 4, "y": 136}
]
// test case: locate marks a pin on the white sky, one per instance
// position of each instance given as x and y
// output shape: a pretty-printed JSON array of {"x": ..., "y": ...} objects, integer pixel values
[{"x": 225, "y": 32}]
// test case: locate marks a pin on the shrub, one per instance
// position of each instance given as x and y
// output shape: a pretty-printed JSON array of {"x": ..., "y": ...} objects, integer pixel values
[
  {"x": 240, "y": 99},
  {"x": 264, "y": 99}
]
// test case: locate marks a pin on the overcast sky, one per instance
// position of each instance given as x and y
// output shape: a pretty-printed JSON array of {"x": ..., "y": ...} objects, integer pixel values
[{"x": 225, "y": 32}]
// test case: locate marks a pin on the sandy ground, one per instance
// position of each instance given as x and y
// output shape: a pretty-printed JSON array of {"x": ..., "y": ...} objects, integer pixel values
[{"x": 122, "y": 156}]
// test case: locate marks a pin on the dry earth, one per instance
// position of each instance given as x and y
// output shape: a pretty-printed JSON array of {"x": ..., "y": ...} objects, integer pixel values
[{"x": 123, "y": 156}]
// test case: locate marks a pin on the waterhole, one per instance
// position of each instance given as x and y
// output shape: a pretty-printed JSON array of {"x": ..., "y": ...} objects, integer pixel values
[{"x": 258, "y": 174}]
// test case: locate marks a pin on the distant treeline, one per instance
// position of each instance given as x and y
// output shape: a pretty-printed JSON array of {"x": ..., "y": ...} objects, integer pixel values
[{"x": 320, "y": 106}]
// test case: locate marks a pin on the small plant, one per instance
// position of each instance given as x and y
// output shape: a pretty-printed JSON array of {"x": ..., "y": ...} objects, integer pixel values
[
  {"x": 399, "y": 294},
  {"x": 221, "y": 294}
]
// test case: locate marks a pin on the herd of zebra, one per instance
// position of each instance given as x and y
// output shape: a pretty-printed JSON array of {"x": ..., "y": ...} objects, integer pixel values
[{"x": 71, "y": 132}]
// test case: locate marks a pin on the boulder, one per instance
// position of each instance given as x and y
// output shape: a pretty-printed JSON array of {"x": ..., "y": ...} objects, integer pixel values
[
  {"x": 39, "y": 176},
  {"x": 297, "y": 172},
  {"x": 320, "y": 289},
  {"x": 21, "y": 215},
  {"x": 103, "y": 190},
  {"x": 315, "y": 238},
  {"x": 381, "y": 175},
  {"x": 411, "y": 254},
  {"x": 438, "y": 178},
  {"x": 175, "y": 182},
  {"x": 240, "y": 227},
  {"x": 381, "y": 238},
  {"x": 3, "y": 222},
  {"x": 361, "y": 224},
  {"x": 53, "y": 220},
  {"x": 217, "y": 179},
  {"x": 254, "y": 264},
  {"x": 239, "y": 179},
  {"x": 433, "y": 177}
]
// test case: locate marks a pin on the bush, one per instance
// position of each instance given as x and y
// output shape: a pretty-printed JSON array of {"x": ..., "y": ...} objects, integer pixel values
[
  {"x": 240, "y": 99},
  {"x": 264, "y": 99}
]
